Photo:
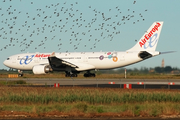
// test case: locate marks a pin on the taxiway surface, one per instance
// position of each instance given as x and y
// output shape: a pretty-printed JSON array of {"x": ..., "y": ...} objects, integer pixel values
[{"x": 95, "y": 82}]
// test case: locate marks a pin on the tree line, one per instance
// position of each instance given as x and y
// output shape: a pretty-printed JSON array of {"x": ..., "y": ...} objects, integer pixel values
[{"x": 144, "y": 70}]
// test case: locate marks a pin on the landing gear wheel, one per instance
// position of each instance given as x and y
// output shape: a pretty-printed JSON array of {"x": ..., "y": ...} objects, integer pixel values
[
  {"x": 93, "y": 75},
  {"x": 20, "y": 75},
  {"x": 86, "y": 75},
  {"x": 73, "y": 75},
  {"x": 89, "y": 75},
  {"x": 67, "y": 75}
]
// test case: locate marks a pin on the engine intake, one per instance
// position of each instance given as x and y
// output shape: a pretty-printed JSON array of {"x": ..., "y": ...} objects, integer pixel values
[{"x": 41, "y": 69}]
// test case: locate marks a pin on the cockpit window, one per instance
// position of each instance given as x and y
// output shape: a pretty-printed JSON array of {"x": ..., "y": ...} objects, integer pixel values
[{"x": 8, "y": 58}]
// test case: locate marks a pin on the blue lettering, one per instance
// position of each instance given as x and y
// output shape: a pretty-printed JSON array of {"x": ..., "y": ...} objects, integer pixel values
[{"x": 26, "y": 60}]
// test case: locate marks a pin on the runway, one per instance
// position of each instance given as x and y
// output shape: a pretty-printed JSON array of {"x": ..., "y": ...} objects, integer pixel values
[{"x": 94, "y": 82}]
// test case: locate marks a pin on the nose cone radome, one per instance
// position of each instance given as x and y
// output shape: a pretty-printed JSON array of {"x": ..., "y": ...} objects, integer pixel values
[{"x": 6, "y": 63}]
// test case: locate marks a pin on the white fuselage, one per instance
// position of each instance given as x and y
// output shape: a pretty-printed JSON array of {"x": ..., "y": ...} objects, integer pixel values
[{"x": 85, "y": 60}]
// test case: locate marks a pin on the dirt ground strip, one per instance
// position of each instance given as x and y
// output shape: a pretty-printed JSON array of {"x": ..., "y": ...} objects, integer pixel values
[{"x": 82, "y": 116}]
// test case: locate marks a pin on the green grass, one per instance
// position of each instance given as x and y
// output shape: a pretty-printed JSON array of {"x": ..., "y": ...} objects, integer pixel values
[
  {"x": 14, "y": 82},
  {"x": 128, "y": 109},
  {"x": 90, "y": 100},
  {"x": 91, "y": 96}
]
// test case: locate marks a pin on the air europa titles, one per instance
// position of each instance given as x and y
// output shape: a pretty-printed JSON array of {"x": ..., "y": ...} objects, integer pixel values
[
  {"x": 42, "y": 55},
  {"x": 147, "y": 36},
  {"x": 28, "y": 58}
]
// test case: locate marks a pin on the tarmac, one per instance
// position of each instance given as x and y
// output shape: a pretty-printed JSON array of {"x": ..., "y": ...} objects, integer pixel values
[{"x": 102, "y": 83}]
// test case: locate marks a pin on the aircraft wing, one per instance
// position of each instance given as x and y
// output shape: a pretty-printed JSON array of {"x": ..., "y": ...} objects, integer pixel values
[{"x": 57, "y": 63}]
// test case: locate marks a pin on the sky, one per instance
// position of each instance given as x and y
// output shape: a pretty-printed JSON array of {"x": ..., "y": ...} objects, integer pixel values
[{"x": 28, "y": 26}]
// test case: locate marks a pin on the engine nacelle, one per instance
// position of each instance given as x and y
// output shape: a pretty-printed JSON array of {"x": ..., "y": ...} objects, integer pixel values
[{"x": 41, "y": 69}]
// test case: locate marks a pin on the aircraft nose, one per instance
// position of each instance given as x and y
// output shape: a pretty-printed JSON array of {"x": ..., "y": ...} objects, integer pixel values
[{"x": 5, "y": 63}]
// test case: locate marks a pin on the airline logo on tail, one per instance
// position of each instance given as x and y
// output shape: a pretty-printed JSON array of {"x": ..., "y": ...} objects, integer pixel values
[{"x": 149, "y": 35}]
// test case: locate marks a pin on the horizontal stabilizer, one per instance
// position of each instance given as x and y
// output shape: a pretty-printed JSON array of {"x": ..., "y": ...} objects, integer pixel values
[{"x": 167, "y": 52}]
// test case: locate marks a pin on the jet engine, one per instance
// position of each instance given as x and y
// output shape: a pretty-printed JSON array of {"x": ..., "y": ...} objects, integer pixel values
[{"x": 41, "y": 69}]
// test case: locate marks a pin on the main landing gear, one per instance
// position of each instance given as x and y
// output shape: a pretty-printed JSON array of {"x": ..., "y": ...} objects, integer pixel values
[
  {"x": 20, "y": 73},
  {"x": 68, "y": 74},
  {"x": 88, "y": 74}
]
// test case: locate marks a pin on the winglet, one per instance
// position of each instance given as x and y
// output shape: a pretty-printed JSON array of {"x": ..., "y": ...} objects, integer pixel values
[{"x": 52, "y": 54}]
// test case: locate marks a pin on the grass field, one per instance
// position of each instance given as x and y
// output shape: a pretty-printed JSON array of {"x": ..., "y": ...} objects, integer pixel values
[{"x": 88, "y": 102}]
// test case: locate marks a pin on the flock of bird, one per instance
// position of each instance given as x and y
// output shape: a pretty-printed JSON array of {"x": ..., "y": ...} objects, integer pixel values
[{"x": 50, "y": 23}]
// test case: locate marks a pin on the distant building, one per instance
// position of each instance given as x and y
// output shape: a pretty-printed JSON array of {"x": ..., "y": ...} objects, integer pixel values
[
  {"x": 151, "y": 71},
  {"x": 175, "y": 72},
  {"x": 162, "y": 64}
]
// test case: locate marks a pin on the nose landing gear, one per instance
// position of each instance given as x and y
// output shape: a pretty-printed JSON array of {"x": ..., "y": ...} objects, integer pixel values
[{"x": 20, "y": 73}]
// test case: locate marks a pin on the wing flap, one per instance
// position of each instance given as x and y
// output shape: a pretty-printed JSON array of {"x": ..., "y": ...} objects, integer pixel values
[
  {"x": 69, "y": 64},
  {"x": 84, "y": 66}
]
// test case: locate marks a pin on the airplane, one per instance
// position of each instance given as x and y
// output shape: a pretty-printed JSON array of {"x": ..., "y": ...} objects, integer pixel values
[{"x": 75, "y": 62}]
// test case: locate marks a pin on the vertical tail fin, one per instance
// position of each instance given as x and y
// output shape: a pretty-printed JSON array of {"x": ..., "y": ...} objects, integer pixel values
[{"x": 149, "y": 40}]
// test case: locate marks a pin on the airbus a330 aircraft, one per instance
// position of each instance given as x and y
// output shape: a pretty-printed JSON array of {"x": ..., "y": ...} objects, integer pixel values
[{"x": 75, "y": 62}]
